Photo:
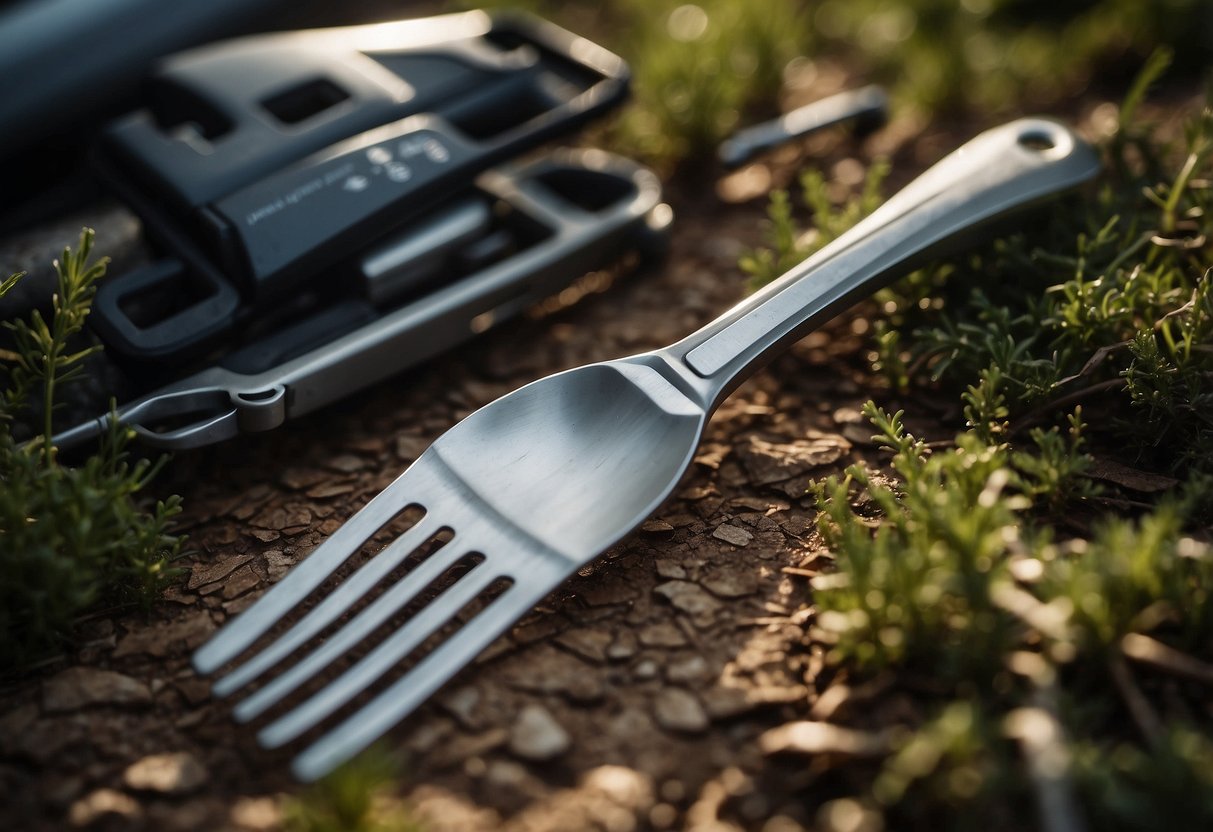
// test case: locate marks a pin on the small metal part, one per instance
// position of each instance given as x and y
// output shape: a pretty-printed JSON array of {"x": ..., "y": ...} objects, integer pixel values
[
  {"x": 412, "y": 259},
  {"x": 867, "y": 107}
]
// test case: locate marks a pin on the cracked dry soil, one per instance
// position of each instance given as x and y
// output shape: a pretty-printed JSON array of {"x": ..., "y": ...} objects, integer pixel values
[{"x": 636, "y": 696}]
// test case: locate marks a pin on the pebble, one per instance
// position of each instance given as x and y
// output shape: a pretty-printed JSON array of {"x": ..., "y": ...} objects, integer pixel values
[
  {"x": 462, "y": 704},
  {"x": 670, "y": 570},
  {"x": 732, "y": 584},
  {"x": 100, "y": 804},
  {"x": 678, "y": 710},
  {"x": 645, "y": 669},
  {"x": 664, "y": 634},
  {"x": 623, "y": 647},
  {"x": 78, "y": 687},
  {"x": 691, "y": 599},
  {"x": 173, "y": 773},
  {"x": 733, "y": 535},
  {"x": 690, "y": 670},
  {"x": 589, "y": 644},
  {"x": 536, "y": 735}
]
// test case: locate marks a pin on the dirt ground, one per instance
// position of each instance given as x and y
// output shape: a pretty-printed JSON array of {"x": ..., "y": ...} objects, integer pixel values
[{"x": 640, "y": 695}]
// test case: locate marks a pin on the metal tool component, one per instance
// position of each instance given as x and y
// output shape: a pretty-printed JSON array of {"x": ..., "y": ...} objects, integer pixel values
[
  {"x": 262, "y": 163},
  {"x": 544, "y": 479},
  {"x": 555, "y": 238},
  {"x": 408, "y": 261},
  {"x": 866, "y": 107}
]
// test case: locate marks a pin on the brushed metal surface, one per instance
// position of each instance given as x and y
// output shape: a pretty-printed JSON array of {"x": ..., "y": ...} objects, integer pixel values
[{"x": 546, "y": 478}]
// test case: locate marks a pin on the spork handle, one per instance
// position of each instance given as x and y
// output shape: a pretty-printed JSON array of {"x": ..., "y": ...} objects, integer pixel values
[{"x": 1000, "y": 171}]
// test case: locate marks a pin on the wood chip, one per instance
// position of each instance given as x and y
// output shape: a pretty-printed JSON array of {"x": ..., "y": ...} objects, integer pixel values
[
  {"x": 240, "y": 582},
  {"x": 1149, "y": 651},
  {"x": 1130, "y": 478},
  {"x": 346, "y": 463},
  {"x": 332, "y": 489},
  {"x": 805, "y": 737},
  {"x": 768, "y": 462},
  {"x": 205, "y": 573}
]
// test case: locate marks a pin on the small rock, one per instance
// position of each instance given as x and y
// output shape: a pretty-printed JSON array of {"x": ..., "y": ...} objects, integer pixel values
[
  {"x": 175, "y": 773},
  {"x": 623, "y": 647},
  {"x": 690, "y": 670},
  {"x": 664, "y": 634},
  {"x": 677, "y": 710},
  {"x": 691, "y": 599},
  {"x": 546, "y": 669},
  {"x": 256, "y": 814},
  {"x": 461, "y": 704},
  {"x": 589, "y": 644},
  {"x": 78, "y": 687},
  {"x": 732, "y": 534},
  {"x": 536, "y": 735},
  {"x": 160, "y": 640},
  {"x": 670, "y": 570},
  {"x": 732, "y": 584},
  {"x": 100, "y": 804},
  {"x": 240, "y": 583},
  {"x": 203, "y": 574},
  {"x": 645, "y": 669}
]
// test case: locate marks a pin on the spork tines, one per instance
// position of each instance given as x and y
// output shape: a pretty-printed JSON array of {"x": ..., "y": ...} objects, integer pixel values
[{"x": 526, "y": 490}]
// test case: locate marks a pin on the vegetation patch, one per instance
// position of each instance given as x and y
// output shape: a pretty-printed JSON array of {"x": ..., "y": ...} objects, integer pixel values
[{"x": 71, "y": 538}]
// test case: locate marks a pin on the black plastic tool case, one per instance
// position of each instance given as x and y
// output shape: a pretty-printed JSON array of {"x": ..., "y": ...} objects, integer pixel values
[
  {"x": 333, "y": 206},
  {"x": 262, "y": 163}
]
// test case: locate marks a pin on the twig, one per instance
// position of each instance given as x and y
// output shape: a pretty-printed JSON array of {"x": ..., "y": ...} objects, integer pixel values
[
  {"x": 1149, "y": 651},
  {"x": 1144, "y": 716}
]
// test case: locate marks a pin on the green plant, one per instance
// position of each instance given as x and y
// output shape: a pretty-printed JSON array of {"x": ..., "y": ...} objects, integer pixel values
[
  {"x": 990, "y": 573},
  {"x": 786, "y": 245},
  {"x": 357, "y": 797},
  {"x": 70, "y": 538}
]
